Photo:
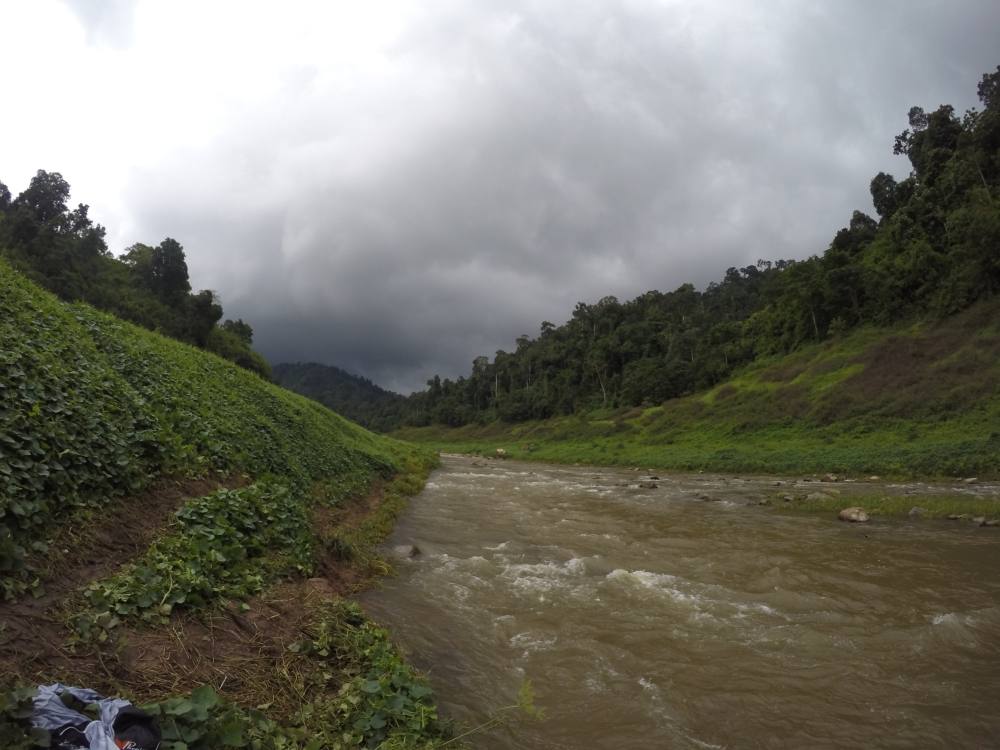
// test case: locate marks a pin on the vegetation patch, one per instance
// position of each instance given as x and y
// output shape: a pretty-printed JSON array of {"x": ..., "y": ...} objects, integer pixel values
[
  {"x": 348, "y": 687},
  {"x": 227, "y": 544},
  {"x": 92, "y": 408}
]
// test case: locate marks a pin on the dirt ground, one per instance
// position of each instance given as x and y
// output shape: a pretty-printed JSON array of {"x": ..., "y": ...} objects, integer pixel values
[{"x": 239, "y": 649}]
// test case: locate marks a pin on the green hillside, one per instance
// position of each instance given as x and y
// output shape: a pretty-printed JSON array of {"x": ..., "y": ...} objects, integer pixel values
[
  {"x": 101, "y": 423},
  {"x": 64, "y": 251},
  {"x": 917, "y": 400},
  {"x": 931, "y": 253},
  {"x": 352, "y": 396}
]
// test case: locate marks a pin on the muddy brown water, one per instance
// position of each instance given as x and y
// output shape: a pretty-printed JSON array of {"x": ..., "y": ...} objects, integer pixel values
[{"x": 650, "y": 618}]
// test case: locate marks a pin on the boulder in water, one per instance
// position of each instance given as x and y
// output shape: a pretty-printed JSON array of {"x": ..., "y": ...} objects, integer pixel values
[
  {"x": 990, "y": 522},
  {"x": 406, "y": 550},
  {"x": 916, "y": 512},
  {"x": 853, "y": 514}
]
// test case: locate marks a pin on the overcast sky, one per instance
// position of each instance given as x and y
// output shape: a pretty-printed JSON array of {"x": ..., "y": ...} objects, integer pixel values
[{"x": 397, "y": 187}]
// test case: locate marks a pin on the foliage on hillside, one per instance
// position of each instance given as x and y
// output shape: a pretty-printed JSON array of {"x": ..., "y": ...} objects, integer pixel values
[
  {"x": 349, "y": 395},
  {"x": 901, "y": 401},
  {"x": 92, "y": 407},
  {"x": 64, "y": 251},
  {"x": 932, "y": 252}
]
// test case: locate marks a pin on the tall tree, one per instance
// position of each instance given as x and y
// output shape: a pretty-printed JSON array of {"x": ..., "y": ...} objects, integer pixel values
[{"x": 169, "y": 271}]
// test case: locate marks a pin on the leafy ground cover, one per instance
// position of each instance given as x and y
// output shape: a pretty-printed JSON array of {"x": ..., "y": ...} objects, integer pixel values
[
  {"x": 916, "y": 401},
  {"x": 230, "y": 543},
  {"x": 233, "y": 493},
  {"x": 92, "y": 408}
]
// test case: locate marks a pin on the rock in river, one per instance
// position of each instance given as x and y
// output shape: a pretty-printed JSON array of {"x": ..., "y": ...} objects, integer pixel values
[
  {"x": 854, "y": 515},
  {"x": 406, "y": 550}
]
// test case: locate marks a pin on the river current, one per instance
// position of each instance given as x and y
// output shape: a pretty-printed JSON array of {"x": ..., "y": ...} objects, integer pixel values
[{"x": 656, "y": 618}]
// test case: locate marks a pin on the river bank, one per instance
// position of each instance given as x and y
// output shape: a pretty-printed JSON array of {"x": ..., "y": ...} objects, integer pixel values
[
  {"x": 272, "y": 659},
  {"x": 965, "y": 498},
  {"x": 647, "y": 438}
]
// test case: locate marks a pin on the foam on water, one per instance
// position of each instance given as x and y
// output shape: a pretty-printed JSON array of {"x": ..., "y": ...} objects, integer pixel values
[
  {"x": 529, "y": 642},
  {"x": 952, "y": 618}
]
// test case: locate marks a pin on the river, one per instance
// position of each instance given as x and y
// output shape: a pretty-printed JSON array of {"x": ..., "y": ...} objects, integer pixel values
[{"x": 650, "y": 618}]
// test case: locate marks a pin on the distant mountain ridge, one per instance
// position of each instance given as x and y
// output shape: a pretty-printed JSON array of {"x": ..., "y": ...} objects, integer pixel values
[{"x": 352, "y": 396}]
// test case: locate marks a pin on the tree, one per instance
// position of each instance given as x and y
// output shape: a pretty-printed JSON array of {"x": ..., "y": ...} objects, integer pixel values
[
  {"x": 45, "y": 196},
  {"x": 169, "y": 271},
  {"x": 138, "y": 259},
  {"x": 989, "y": 89},
  {"x": 930, "y": 141},
  {"x": 204, "y": 313},
  {"x": 241, "y": 330},
  {"x": 883, "y": 188}
]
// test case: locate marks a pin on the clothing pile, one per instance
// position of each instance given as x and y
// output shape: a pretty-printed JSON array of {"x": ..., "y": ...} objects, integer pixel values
[{"x": 121, "y": 726}]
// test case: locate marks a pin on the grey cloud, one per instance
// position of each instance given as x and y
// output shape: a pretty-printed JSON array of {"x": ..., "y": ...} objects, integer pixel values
[{"x": 518, "y": 160}]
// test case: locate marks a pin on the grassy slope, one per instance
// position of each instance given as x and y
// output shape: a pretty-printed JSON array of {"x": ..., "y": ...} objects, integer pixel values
[
  {"x": 93, "y": 409},
  {"x": 922, "y": 400}
]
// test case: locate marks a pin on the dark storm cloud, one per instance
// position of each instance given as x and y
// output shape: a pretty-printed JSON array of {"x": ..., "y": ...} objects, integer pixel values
[{"x": 508, "y": 160}]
